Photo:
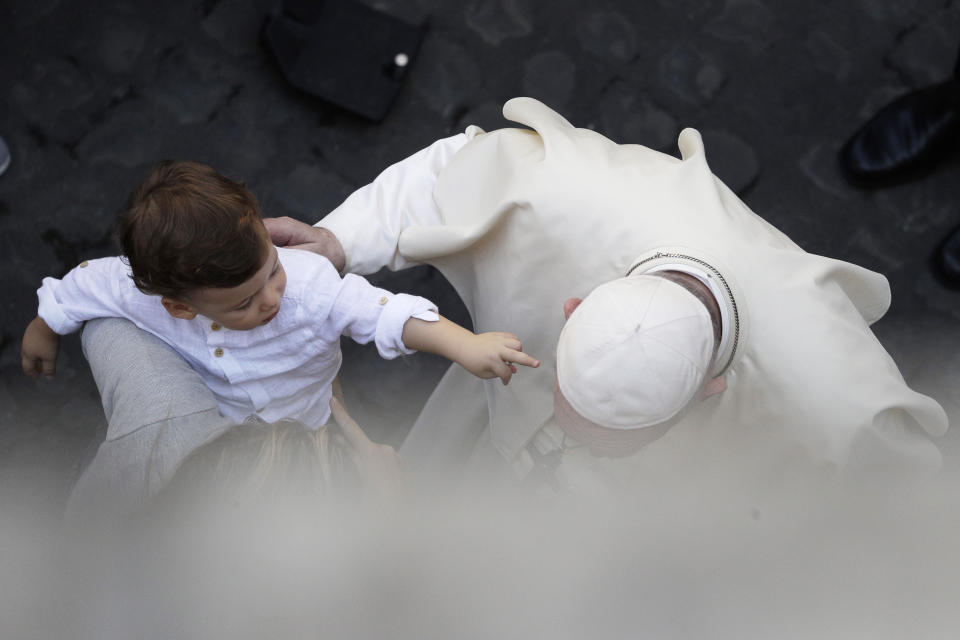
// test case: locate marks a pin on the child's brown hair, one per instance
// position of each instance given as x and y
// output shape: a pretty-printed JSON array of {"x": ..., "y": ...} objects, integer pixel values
[{"x": 187, "y": 227}]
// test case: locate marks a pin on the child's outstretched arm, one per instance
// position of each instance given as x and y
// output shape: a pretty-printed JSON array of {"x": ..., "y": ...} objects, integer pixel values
[
  {"x": 485, "y": 355},
  {"x": 40, "y": 348}
]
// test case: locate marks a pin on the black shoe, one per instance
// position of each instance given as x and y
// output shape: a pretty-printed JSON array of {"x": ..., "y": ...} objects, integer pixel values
[{"x": 905, "y": 139}]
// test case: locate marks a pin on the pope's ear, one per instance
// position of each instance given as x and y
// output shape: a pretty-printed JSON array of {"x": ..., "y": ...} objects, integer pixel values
[
  {"x": 178, "y": 308},
  {"x": 570, "y": 305}
]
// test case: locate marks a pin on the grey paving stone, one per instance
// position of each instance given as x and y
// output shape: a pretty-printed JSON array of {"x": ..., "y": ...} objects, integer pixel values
[
  {"x": 875, "y": 101},
  {"x": 690, "y": 75},
  {"x": 709, "y": 80},
  {"x": 34, "y": 159},
  {"x": 875, "y": 252},
  {"x": 925, "y": 54},
  {"x": 549, "y": 76},
  {"x": 50, "y": 86},
  {"x": 193, "y": 85},
  {"x": 609, "y": 35},
  {"x": 129, "y": 137},
  {"x": 121, "y": 42},
  {"x": 828, "y": 55},
  {"x": 819, "y": 164},
  {"x": 9, "y": 409},
  {"x": 307, "y": 192},
  {"x": 628, "y": 117},
  {"x": 731, "y": 159},
  {"x": 750, "y": 23},
  {"x": 891, "y": 12},
  {"x": 249, "y": 107},
  {"x": 222, "y": 22},
  {"x": 934, "y": 296},
  {"x": 444, "y": 74},
  {"x": 498, "y": 20},
  {"x": 920, "y": 209},
  {"x": 238, "y": 149},
  {"x": 26, "y": 249},
  {"x": 487, "y": 115},
  {"x": 83, "y": 210},
  {"x": 27, "y": 12},
  {"x": 410, "y": 11},
  {"x": 692, "y": 9}
]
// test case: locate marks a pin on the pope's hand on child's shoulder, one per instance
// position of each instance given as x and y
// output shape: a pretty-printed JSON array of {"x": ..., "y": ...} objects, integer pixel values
[{"x": 293, "y": 234}]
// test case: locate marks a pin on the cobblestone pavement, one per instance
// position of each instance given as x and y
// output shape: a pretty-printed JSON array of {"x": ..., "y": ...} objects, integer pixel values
[{"x": 93, "y": 93}]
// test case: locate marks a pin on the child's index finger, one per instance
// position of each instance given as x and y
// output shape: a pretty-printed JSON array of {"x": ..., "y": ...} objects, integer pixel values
[{"x": 519, "y": 357}]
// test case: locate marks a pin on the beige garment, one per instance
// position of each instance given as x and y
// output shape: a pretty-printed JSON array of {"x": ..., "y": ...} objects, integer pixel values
[
  {"x": 525, "y": 219},
  {"x": 158, "y": 411}
]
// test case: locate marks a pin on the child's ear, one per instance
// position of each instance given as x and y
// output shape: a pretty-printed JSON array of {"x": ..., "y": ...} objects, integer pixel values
[{"x": 178, "y": 309}]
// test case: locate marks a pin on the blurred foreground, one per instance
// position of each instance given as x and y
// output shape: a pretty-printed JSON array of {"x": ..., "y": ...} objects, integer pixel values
[{"x": 808, "y": 559}]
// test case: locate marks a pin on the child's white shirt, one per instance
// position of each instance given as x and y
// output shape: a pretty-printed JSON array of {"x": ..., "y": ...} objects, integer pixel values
[{"x": 283, "y": 369}]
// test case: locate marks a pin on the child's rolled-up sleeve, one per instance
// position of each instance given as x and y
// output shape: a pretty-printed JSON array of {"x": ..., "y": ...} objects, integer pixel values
[
  {"x": 94, "y": 289},
  {"x": 367, "y": 313},
  {"x": 399, "y": 308}
]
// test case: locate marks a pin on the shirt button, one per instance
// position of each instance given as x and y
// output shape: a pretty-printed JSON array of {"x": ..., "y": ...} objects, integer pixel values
[
  {"x": 218, "y": 352},
  {"x": 260, "y": 410},
  {"x": 215, "y": 326},
  {"x": 382, "y": 300},
  {"x": 84, "y": 263}
]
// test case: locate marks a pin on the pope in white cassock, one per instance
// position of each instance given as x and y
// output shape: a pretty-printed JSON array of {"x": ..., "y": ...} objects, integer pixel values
[
  {"x": 706, "y": 338},
  {"x": 707, "y": 343}
]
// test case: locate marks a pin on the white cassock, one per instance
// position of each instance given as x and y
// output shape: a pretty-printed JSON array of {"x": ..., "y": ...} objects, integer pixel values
[{"x": 521, "y": 220}]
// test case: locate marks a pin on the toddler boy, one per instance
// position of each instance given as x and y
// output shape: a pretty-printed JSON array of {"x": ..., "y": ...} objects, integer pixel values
[{"x": 261, "y": 325}]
